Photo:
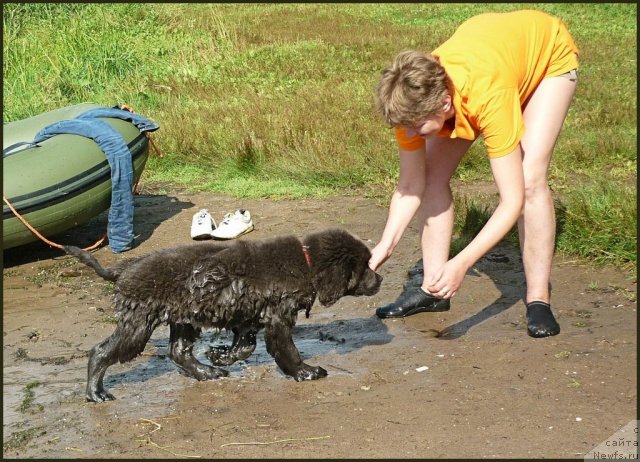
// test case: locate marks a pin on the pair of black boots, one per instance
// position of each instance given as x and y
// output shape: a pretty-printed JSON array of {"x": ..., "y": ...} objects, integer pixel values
[{"x": 413, "y": 300}]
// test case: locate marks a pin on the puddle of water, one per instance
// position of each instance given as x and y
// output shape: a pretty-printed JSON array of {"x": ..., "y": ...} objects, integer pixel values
[
  {"x": 319, "y": 343},
  {"x": 313, "y": 340}
]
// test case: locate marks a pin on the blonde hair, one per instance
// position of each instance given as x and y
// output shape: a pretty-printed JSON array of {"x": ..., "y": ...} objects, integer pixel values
[{"x": 411, "y": 89}]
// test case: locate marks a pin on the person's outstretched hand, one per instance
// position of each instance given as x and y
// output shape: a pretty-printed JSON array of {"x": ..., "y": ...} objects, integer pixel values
[{"x": 379, "y": 255}]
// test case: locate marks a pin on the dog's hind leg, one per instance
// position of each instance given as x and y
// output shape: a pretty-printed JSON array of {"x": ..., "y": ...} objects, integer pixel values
[
  {"x": 182, "y": 338},
  {"x": 279, "y": 342},
  {"x": 100, "y": 358},
  {"x": 122, "y": 346},
  {"x": 244, "y": 343}
]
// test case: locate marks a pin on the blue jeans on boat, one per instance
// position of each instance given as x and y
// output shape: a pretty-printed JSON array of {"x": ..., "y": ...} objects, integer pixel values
[
  {"x": 144, "y": 125},
  {"x": 120, "y": 226}
]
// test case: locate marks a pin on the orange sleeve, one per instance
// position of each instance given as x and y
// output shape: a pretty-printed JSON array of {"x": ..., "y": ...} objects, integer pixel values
[
  {"x": 501, "y": 122},
  {"x": 406, "y": 143}
]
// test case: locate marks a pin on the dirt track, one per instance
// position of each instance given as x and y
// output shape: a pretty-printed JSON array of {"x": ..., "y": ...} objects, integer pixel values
[{"x": 489, "y": 390}]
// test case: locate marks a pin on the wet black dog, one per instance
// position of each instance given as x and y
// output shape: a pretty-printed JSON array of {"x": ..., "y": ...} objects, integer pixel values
[{"x": 242, "y": 287}]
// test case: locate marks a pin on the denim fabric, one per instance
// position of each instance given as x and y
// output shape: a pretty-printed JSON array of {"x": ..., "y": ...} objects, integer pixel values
[
  {"x": 120, "y": 226},
  {"x": 144, "y": 125}
]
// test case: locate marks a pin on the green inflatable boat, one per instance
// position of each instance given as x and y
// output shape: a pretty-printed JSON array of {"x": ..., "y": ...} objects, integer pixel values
[{"x": 65, "y": 181}]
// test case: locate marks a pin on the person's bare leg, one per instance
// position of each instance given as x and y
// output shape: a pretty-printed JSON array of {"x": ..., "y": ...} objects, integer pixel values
[
  {"x": 543, "y": 118},
  {"x": 436, "y": 210},
  {"x": 436, "y": 213}
]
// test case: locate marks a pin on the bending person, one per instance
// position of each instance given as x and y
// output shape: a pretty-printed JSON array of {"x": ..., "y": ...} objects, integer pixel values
[{"x": 510, "y": 78}]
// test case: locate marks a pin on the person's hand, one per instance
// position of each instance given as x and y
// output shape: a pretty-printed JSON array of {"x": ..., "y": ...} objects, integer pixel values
[
  {"x": 448, "y": 279},
  {"x": 379, "y": 255}
]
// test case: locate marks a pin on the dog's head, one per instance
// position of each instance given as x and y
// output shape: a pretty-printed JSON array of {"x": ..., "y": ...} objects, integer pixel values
[{"x": 340, "y": 266}]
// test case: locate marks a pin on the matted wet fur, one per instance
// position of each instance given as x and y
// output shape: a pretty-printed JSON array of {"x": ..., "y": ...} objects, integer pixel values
[{"x": 242, "y": 287}]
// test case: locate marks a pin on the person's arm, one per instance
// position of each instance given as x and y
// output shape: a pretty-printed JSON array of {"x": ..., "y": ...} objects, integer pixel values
[
  {"x": 509, "y": 179},
  {"x": 405, "y": 202}
]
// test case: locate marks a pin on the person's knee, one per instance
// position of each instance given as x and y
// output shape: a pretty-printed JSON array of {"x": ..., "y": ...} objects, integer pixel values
[
  {"x": 436, "y": 184},
  {"x": 535, "y": 187},
  {"x": 439, "y": 196}
]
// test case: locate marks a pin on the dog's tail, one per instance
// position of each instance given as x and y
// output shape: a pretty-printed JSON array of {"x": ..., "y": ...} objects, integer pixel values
[{"x": 88, "y": 259}]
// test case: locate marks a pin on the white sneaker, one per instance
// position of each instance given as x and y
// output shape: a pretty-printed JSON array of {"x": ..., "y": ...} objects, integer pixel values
[
  {"x": 201, "y": 225},
  {"x": 234, "y": 225}
]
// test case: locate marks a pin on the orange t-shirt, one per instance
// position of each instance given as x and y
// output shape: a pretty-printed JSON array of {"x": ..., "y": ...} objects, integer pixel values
[{"x": 496, "y": 60}]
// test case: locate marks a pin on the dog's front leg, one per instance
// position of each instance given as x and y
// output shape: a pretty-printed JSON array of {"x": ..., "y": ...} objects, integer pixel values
[
  {"x": 279, "y": 342},
  {"x": 182, "y": 338}
]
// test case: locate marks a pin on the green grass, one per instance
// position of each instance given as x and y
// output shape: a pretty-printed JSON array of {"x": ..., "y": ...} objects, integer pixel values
[
  {"x": 599, "y": 222},
  {"x": 471, "y": 215},
  {"x": 276, "y": 100},
  {"x": 29, "y": 396}
]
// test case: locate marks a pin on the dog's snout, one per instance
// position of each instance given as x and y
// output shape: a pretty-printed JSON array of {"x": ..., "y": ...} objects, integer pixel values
[{"x": 375, "y": 280}]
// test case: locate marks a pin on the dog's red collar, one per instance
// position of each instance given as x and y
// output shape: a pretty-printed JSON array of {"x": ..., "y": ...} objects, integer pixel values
[{"x": 305, "y": 250}]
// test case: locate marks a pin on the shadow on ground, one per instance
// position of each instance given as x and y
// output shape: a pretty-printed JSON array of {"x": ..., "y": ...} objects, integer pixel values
[
  {"x": 150, "y": 211},
  {"x": 503, "y": 265}
]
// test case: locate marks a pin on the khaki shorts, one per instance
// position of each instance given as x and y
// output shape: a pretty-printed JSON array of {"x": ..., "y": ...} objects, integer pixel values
[{"x": 571, "y": 75}]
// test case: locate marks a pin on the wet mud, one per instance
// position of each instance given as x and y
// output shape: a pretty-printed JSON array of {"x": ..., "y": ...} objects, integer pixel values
[{"x": 468, "y": 382}]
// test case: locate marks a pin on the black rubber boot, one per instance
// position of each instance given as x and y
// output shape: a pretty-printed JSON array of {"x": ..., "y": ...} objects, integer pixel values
[
  {"x": 540, "y": 320},
  {"x": 411, "y": 301}
]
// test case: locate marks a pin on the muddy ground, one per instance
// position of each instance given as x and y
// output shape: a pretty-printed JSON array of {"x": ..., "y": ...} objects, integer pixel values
[{"x": 465, "y": 383}]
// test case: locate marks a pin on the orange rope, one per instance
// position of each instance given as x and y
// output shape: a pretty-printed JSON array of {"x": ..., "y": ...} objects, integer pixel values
[
  {"x": 44, "y": 239},
  {"x": 155, "y": 148}
]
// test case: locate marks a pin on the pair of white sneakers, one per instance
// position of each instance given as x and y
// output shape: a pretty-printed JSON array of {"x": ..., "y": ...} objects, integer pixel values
[{"x": 203, "y": 226}]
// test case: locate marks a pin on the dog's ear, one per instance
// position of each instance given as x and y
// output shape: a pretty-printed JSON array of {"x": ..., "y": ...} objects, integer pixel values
[
  {"x": 331, "y": 284},
  {"x": 335, "y": 255},
  {"x": 354, "y": 281}
]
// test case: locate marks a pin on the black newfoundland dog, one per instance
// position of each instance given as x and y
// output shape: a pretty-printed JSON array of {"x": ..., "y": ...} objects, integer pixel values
[{"x": 242, "y": 287}]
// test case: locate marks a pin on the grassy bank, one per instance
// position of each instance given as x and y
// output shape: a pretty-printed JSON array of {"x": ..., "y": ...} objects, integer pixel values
[{"x": 276, "y": 99}]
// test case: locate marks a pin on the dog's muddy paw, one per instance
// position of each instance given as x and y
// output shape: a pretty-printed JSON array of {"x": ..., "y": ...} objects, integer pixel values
[
  {"x": 220, "y": 356},
  {"x": 310, "y": 373},
  {"x": 204, "y": 372},
  {"x": 99, "y": 396}
]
